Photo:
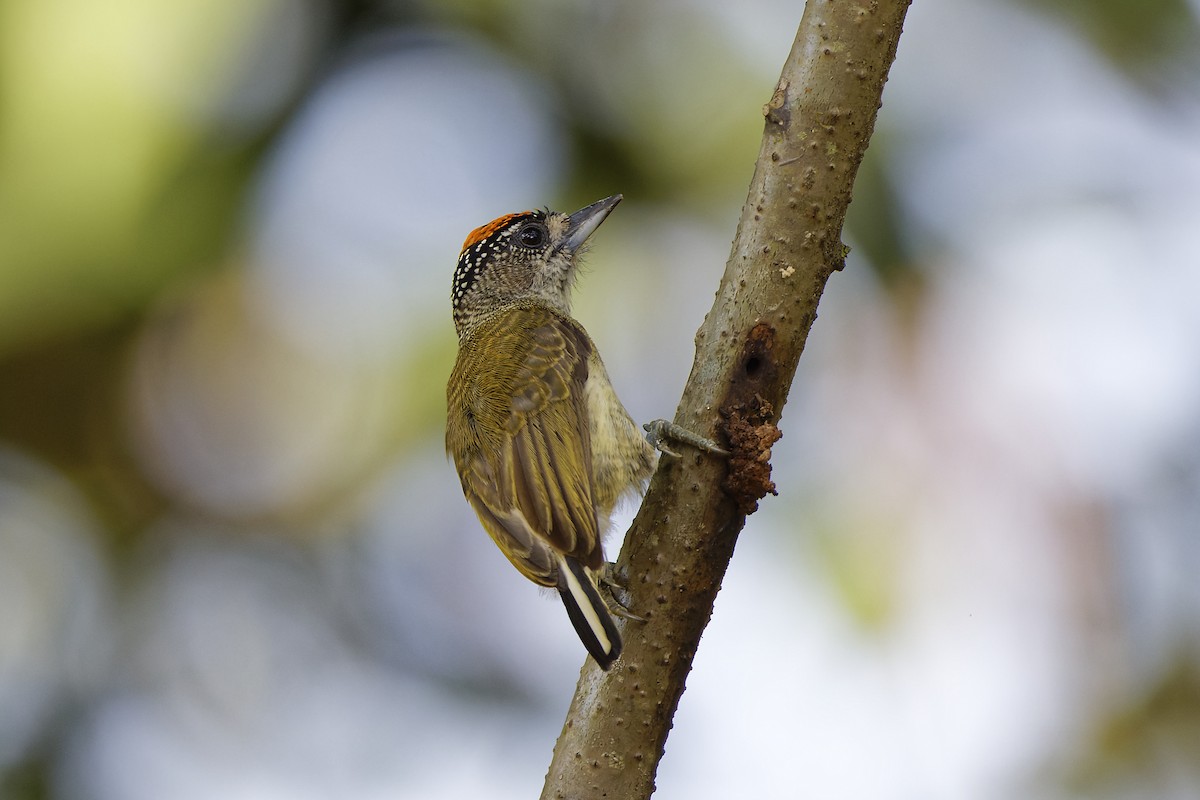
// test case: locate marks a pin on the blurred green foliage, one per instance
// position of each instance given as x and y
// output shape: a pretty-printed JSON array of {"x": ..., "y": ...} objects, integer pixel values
[
  {"x": 1145, "y": 741},
  {"x": 1156, "y": 42}
]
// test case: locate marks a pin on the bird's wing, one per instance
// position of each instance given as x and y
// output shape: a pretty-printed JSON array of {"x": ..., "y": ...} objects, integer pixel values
[{"x": 533, "y": 489}]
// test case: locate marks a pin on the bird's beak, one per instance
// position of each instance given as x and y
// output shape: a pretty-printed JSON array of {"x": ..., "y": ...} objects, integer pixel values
[{"x": 584, "y": 222}]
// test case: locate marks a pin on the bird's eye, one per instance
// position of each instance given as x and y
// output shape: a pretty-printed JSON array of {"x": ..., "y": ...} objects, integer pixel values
[{"x": 532, "y": 236}]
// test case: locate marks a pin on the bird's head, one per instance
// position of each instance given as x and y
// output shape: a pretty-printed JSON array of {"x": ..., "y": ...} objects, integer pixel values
[{"x": 527, "y": 255}]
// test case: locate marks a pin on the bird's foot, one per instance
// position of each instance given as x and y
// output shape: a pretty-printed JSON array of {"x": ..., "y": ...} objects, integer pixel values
[
  {"x": 615, "y": 581},
  {"x": 660, "y": 430}
]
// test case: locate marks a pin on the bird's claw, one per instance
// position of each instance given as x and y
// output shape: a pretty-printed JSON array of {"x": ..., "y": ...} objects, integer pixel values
[
  {"x": 614, "y": 581},
  {"x": 660, "y": 430}
]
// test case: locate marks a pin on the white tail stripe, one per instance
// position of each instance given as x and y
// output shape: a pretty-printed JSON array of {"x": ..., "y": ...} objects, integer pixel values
[{"x": 584, "y": 601}]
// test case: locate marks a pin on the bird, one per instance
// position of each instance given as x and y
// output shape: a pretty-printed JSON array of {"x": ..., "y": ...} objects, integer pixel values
[{"x": 543, "y": 446}]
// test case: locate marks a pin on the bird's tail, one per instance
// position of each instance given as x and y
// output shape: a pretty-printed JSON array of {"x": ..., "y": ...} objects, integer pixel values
[{"x": 587, "y": 611}]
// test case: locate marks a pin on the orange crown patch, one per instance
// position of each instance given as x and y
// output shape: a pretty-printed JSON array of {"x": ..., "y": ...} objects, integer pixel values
[{"x": 483, "y": 231}]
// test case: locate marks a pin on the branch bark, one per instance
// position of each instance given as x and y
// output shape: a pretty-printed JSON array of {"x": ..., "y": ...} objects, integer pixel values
[{"x": 818, "y": 124}]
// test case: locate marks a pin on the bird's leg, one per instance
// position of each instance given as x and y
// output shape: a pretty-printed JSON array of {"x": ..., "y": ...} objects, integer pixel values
[
  {"x": 660, "y": 430},
  {"x": 613, "y": 580}
]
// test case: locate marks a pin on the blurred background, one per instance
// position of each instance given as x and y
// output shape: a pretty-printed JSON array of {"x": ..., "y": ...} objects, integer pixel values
[{"x": 234, "y": 562}]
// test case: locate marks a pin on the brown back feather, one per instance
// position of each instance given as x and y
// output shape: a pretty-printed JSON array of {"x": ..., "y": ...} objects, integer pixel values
[{"x": 518, "y": 430}]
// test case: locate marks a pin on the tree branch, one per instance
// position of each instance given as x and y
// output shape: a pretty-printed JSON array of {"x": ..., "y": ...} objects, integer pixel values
[{"x": 818, "y": 124}]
